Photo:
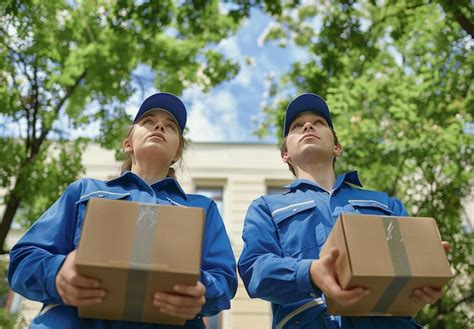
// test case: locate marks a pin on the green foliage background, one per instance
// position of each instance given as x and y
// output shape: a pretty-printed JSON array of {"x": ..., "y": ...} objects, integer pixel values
[
  {"x": 398, "y": 79},
  {"x": 75, "y": 61}
]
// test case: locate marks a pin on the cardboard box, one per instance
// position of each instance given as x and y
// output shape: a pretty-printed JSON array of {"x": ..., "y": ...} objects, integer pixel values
[
  {"x": 389, "y": 255},
  {"x": 136, "y": 249}
]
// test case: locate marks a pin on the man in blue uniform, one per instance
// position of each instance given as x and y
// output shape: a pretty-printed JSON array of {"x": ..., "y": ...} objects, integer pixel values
[{"x": 283, "y": 233}]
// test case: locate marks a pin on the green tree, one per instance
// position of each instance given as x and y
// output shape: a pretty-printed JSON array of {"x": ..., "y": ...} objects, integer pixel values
[
  {"x": 7, "y": 319},
  {"x": 74, "y": 62},
  {"x": 398, "y": 79}
]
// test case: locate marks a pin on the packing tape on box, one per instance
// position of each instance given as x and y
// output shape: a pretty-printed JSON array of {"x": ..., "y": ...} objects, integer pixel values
[
  {"x": 400, "y": 263},
  {"x": 139, "y": 262}
]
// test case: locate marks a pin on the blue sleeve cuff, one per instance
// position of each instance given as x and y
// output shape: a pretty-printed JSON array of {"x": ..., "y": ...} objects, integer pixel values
[
  {"x": 53, "y": 270},
  {"x": 303, "y": 280},
  {"x": 205, "y": 280}
]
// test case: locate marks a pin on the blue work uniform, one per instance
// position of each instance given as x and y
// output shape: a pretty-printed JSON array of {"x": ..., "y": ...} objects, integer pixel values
[
  {"x": 37, "y": 257},
  {"x": 283, "y": 233}
]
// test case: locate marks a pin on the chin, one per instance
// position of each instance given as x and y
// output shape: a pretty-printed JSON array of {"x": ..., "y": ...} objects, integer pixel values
[
  {"x": 157, "y": 153},
  {"x": 312, "y": 150}
]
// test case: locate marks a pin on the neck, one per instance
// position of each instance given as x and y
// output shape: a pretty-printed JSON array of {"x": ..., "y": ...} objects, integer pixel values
[
  {"x": 320, "y": 173},
  {"x": 150, "y": 173}
]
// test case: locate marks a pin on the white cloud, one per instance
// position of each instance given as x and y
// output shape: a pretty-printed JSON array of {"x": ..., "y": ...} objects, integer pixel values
[
  {"x": 230, "y": 48},
  {"x": 92, "y": 130},
  {"x": 298, "y": 54},
  {"x": 246, "y": 75},
  {"x": 212, "y": 117}
]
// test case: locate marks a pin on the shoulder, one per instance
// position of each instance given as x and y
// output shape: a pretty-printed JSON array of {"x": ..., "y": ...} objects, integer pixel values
[
  {"x": 84, "y": 186},
  {"x": 87, "y": 182},
  {"x": 91, "y": 184},
  {"x": 365, "y": 193},
  {"x": 271, "y": 202},
  {"x": 199, "y": 200},
  {"x": 392, "y": 203},
  {"x": 368, "y": 193}
]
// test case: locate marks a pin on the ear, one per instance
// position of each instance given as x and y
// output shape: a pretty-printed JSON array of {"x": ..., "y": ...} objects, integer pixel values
[
  {"x": 337, "y": 150},
  {"x": 177, "y": 156},
  {"x": 284, "y": 156},
  {"x": 127, "y": 145},
  {"x": 175, "y": 159}
]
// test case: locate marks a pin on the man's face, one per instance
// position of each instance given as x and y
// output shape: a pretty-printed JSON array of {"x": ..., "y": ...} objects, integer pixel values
[
  {"x": 155, "y": 133},
  {"x": 310, "y": 136}
]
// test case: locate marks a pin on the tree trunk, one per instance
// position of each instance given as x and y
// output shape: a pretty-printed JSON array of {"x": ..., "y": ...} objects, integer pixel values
[
  {"x": 10, "y": 210},
  {"x": 459, "y": 16}
]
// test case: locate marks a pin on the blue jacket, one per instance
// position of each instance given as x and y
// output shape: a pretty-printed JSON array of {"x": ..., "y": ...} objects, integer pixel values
[
  {"x": 36, "y": 258},
  {"x": 283, "y": 234}
]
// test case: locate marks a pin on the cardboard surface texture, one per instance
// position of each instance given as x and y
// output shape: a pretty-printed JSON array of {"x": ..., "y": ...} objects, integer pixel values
[
  {"x": 389, "y": 255},
  {"x": 136, "y": 249}
]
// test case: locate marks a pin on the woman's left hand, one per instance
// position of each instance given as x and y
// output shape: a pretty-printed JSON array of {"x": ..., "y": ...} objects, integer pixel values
[
  {"x": 430, "y": 295},
  {"x": 185, "y": 302},
  {"x": 427, "y": 295}
]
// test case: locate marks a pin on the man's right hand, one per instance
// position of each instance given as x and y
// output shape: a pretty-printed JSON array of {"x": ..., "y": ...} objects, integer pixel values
[
  {"x": 75, "y": 289},
  {"x": 323, "y": 276}
]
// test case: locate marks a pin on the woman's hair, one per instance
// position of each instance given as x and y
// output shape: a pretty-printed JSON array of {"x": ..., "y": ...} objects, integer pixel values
[
  {"x": 127, "y": 163},
  {"x": 283, "y": 148}
]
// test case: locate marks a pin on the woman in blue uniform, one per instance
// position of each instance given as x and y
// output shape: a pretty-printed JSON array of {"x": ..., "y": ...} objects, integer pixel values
[
  {"x": 42, "y": 262},
  {"x": 283, "y": 232}
]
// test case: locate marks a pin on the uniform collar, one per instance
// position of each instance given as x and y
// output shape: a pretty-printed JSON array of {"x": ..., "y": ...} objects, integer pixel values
[
  {"x": 350, "y": 177},
  {"x": 167, "y": 183}
]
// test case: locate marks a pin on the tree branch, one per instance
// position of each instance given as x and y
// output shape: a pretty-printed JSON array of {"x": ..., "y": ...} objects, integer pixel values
[
  {"x": 30, "y": 130},
  {"x": 16, "y": 86},
  {"x": 464, "y": 21},
  {"x": 45, "y": 130},
  {"x": 28, "y": 141},
  {"x": 35, "y": 102}
]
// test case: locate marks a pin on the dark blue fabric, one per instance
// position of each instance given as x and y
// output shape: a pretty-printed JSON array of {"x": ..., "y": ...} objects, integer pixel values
[
  {"x": 66, "y": 317},
  {"x": 165, "y": 101},
  {"x": 36, "y": 258},
  {"x": 283, "y": 234},
  {"x": 306, "y": 103}
]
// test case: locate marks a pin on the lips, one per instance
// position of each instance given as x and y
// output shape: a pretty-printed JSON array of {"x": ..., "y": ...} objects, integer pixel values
[
  {"x": 308, "y": 135},
  {"x": 158, "y": 135}
]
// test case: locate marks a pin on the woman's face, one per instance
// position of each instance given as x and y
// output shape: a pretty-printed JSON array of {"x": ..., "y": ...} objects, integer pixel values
[{"x": 155, "y": 136}]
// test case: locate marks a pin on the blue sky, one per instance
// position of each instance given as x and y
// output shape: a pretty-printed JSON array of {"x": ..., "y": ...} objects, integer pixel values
[
  {"x": 225, "y": 113},
  {"x": 229, "y": 111}
]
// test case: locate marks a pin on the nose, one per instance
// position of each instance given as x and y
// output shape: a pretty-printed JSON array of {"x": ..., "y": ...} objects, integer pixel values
[
  {"x": 159, "y": 126},
  {"x": 308, "y": 126}
]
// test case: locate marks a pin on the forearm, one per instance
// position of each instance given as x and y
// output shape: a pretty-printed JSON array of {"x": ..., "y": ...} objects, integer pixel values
[
  {"x": 279, "y": 280},
  {"x": 220, "y": 289},
  {"x": 32, "y": 273}
]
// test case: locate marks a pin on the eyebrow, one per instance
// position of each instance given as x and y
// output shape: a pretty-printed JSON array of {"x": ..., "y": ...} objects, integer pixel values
[
  {"x": 168, "y": 118},
  {"x": 145, "y": 116},
  {"x": 298, "y": 120}
]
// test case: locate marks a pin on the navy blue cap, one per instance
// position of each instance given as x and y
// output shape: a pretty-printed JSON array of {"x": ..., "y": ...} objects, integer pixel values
[
  {"x": 306, "y": 103},
  {"x": 165, "y": 101}
]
